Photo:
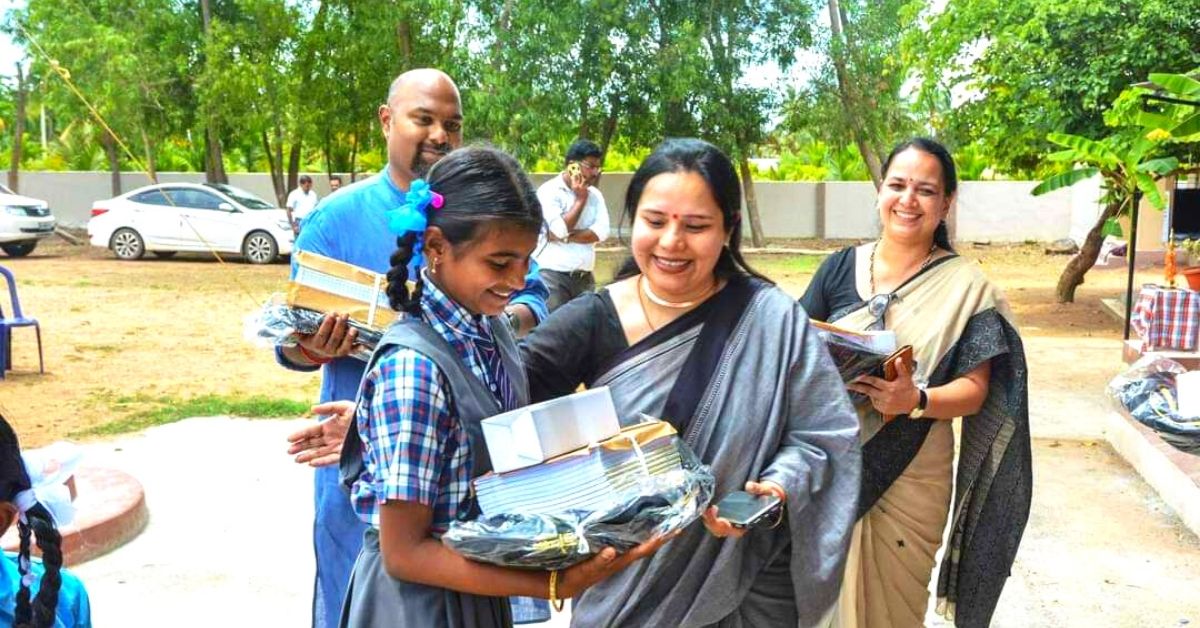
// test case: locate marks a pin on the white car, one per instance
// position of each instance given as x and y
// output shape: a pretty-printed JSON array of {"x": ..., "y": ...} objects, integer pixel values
[
  {"x": 211, "y": 217},
  {"x": 23, "y": 221}
]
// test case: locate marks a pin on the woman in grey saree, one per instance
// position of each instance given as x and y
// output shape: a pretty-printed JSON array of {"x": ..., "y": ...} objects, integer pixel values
[
  {"x": 969, "y": 363},
  {"x": 692, "y": 336}
]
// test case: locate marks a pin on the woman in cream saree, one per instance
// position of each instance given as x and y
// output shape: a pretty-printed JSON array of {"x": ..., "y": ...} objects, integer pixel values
[{"x": 963, "y": 338}]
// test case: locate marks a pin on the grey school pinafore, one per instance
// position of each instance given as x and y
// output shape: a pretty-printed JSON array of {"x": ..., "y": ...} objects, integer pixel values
[{"x": 374, "y": 598}]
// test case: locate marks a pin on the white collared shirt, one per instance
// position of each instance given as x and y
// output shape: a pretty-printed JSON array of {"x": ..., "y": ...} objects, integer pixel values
[
  {"x": 301, "y": 203},
  {"x": 557, "y": 198}
]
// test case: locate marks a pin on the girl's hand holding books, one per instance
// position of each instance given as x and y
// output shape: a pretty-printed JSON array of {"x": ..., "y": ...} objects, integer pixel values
[
  {"x": 333, "y": 339},
  {"x": 574, "y": 580}
]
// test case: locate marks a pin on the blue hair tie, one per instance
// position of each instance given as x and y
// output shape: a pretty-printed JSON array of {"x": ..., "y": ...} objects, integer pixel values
[{"x": 412, "y": 216}]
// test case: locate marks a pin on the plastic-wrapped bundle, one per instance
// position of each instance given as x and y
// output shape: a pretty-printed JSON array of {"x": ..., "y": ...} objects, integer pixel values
[
  {"x": 618, "y": 494},
  {"x": 321, "y": 285},
  {"x": 279, "y": 324},
  {"x": 1148, "y": 391}
]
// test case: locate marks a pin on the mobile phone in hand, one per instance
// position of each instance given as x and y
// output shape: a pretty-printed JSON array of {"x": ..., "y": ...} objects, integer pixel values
[{"x": 745, "y": 510}]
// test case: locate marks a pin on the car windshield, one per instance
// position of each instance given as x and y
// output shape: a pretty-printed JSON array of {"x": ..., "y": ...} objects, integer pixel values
[
  {"x": 4, "y": 189},
  {"x": 247, "y": 199}
]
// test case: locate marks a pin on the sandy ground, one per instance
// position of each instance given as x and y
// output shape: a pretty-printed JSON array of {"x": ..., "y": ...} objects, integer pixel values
[
  {"x": 1101, "y": 549},
  {"x": 118, "y": 335},
  {"x": 229, "y": 537}
]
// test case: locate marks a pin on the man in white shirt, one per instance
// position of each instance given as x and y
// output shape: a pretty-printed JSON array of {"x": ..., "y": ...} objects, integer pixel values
[
  {"x": 301, "y": 201},
  {"x": 576, "y": 219}
]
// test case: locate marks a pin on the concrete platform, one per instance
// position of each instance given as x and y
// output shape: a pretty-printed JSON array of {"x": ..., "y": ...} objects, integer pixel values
[
  {"x": 1174, "y": 474},
  {"x": 1131, "y": 351},
  {"x": 110, "y": 511}
]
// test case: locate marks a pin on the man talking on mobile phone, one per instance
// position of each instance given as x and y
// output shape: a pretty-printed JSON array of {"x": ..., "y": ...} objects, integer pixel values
[{"x": 576, "y": 219}]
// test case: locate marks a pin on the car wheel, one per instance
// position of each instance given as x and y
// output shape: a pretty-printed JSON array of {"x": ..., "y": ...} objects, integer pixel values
[
  {"x": 165, "y": 254},
  {"x": 260, "y": 248},
  {"x": 127, "y": 244},
  {"x": 19, "y": 249}
]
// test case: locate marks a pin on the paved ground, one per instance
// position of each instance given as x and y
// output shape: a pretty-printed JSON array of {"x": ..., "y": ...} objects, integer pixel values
[{"x": 228, "y": 541}]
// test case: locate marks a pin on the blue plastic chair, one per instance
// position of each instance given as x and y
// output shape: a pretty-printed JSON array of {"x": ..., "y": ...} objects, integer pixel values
[{"x": 18, "y": 319}]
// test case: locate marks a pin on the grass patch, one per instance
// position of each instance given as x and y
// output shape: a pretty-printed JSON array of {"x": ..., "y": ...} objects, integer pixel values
[
  {"x": 143, "y": 411},
  {"x": 770, "y": 265}
]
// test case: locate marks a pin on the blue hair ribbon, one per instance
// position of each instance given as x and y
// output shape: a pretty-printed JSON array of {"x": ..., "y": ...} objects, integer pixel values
[{"x": 412, "y": 216}]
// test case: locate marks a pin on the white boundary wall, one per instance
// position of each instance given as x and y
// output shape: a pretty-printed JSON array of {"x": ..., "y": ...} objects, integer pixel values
[{"x": 996, "y": 211}]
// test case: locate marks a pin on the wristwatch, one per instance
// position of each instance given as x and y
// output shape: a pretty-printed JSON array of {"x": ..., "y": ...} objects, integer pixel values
[{"x": 922, "y": 401}]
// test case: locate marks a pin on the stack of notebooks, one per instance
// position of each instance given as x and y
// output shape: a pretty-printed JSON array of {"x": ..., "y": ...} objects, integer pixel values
[
  {"x": 321, "y": 286},
  {"x": 326, "y": 285},
  {"x": 617, "y": 493},
  {"x": 588, "y": 479}
]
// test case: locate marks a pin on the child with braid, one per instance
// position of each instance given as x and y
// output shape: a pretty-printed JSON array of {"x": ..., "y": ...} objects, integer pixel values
[
  {"x": 447, "y": 363},
  {"x": 33, "y": 594}
]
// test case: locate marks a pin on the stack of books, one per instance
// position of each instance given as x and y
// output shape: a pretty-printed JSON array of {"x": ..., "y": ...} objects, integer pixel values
[
  {"x": 616, "y": 493},
  {"x": 325, "y": 285},
  {"x": 591, "y": 479}
]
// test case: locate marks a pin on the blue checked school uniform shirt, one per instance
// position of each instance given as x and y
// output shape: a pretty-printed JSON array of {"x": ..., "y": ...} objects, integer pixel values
[
  {"x": 351, "y": 226},
  {"x": 414, "y": 448}
]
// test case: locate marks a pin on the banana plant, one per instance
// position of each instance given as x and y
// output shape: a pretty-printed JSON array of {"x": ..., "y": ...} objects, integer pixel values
[
  {"x": 1127, "y": 164},
  {"x": 1182, "y": 87}
]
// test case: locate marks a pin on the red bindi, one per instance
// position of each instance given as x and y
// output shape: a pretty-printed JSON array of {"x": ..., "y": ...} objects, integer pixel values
[{"x": 674, "y": 216}]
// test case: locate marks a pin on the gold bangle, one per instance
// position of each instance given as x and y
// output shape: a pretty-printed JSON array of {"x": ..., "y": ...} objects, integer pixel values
[{"x": 555, "y": 603}]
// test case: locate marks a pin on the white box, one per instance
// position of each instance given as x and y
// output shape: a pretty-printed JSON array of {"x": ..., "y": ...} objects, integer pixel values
[{"x": 536, "y": 433}]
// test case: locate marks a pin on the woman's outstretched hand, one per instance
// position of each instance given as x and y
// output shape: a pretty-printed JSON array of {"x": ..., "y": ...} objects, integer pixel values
[
  {"x": 608, "y": 561},
  {"x": 720, "y": 527},
  {"x": 898, "y": 396}
]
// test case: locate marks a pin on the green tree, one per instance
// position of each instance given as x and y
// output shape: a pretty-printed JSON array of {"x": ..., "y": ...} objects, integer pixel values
[
  {"x": 738, "y": 35},
  {"x": 1027, "y": 68},
  {"x": 1130, "y": 160}
]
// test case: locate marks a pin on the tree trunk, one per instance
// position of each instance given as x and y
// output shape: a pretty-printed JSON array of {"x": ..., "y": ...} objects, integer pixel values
[
  {"x": 847, "y": 94},
  {"x": 327, "y": 153},
  {"x": 354, "y": 158},
  {"x": 151, "y": 158},
  {"x": 114, "y": 161},
  {"x": 756, "y": 231},
  {"x": 1072, "y": 276},
  {"x": 14, "y": 166},
  {"x": 214, "y": 159},
  {"x": 610, "y": 130},
  {"x": 274, "y": 163},
  {"x": 404, "y": 44},
  {"x": 293, "y": 173}
]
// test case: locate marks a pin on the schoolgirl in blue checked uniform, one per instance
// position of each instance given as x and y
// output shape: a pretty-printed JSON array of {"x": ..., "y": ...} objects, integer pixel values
[{"x": 446, "y": 364}]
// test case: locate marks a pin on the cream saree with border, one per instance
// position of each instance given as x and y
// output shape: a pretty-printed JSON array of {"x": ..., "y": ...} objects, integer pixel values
[{"x": 955, "y": 319}]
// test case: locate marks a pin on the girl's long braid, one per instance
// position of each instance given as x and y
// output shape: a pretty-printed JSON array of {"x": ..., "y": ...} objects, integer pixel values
[
  {"x": 42, "y": 611},
  {"x": 397, "y": 276}
]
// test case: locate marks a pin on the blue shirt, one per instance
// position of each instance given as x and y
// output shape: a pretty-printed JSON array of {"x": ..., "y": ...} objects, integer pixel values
[
  {"x": 351, "y": 226},
  {"x": 74, "y": 611},
  {"x": 414, "y": 448}
]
